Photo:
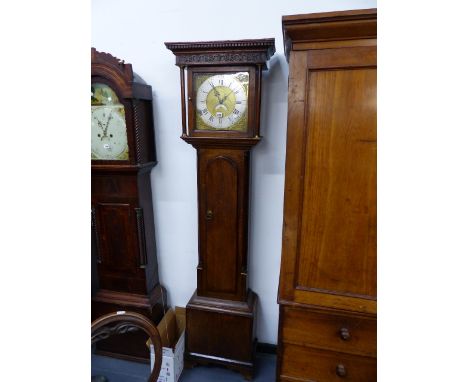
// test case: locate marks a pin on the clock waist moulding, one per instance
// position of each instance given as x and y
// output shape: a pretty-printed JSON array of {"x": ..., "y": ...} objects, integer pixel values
[
  {"x": 220, "y": 97},
  {"x": 123, "y": 238}
]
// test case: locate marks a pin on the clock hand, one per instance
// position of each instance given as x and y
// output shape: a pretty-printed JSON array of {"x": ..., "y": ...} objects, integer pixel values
[
  {"x": 225, "y": 97},
  {"x": 216, "y": 92},
  {"x": 100, "y": 125},
  {"x": 104, "y": 129},
  {"x": 107, "y": 124}
]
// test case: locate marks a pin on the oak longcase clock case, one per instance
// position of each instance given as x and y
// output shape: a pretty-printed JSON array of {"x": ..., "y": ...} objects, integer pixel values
[
  {"x": 122, "y": 156},
  {"x": 220, "y": 97}
]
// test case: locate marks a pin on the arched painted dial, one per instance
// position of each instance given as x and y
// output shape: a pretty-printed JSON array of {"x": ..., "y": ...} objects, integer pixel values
[
  {"x": 221, "y": 101},
  {"x": 108, "y": 133},
  {"x": 108, "y": 128}
]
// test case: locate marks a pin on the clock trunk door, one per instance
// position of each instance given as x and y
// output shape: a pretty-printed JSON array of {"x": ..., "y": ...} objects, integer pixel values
[
  {"x": 221, "y": 217},
  {"x": 118, "y": 245}
]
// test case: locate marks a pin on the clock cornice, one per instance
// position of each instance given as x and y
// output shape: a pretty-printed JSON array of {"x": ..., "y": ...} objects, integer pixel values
[{"x": 227, "y": 52}]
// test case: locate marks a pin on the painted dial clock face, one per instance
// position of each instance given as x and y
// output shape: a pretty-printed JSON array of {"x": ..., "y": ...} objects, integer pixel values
[
  {"x": 108, "y": 128},
  {"x": 221, "y": 101}
]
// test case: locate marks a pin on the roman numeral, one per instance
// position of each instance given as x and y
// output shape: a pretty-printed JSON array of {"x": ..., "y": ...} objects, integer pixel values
[
  {"x": 238, "y": 102},
  {"x": 236, "y": 112},
  {"x": 220, "y": 121},
  {"x": 204, "y": 111},
  {"x": 211, "y": 119},
  {"x": 221, "y": 82}
]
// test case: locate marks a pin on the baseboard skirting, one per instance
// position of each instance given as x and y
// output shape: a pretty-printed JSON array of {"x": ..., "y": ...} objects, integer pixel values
[{"x": 265, "y": 348}]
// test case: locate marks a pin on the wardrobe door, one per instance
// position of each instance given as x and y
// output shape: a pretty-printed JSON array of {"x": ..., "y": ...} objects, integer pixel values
[{"x": 329, "y": 246}]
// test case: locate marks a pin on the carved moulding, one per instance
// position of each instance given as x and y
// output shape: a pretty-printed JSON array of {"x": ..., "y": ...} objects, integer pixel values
[{"x": 223, "y": 52}]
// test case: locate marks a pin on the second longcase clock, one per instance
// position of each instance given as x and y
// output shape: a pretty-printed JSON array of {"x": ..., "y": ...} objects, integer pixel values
[
  {"x": 122, "y": 156},
  {"x": 220, "y": 93}
]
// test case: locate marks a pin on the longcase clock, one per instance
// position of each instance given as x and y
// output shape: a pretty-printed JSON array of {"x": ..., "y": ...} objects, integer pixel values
[
  {"x": 220, "y": 93},
  {"x": 122, "y": 156}
]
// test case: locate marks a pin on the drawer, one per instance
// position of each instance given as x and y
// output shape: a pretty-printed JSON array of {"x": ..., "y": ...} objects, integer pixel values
[
  {"x": 308, "y": 364},
  {"x": 337, "y": 332}
]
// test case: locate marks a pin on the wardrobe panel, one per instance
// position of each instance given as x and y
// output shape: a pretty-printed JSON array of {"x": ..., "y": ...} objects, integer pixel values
[{"x": 338, "y": 231}]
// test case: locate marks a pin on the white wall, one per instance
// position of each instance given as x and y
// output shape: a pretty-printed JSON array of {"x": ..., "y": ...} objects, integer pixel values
[{"x": 135, "y": 31}]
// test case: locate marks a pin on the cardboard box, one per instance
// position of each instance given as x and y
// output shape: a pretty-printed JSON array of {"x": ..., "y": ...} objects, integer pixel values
[{"x": 172, "y": 332}]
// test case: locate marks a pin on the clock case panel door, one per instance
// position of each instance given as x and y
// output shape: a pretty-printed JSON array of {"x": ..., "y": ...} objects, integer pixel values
[
  {"x": 252, "y": 130},
  {"x": 118, "y": 270},
  {"x": 223, "y": 176},
  {"x": 124, "y": 232}
]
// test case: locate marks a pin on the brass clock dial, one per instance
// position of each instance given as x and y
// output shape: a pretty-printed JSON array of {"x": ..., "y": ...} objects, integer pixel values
[
  {"x": 221, "y": 101},
  {"x": 108, "y": 128}
]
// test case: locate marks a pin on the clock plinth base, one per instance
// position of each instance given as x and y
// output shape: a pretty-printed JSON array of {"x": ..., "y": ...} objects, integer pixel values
[
  {"x": 222, "y": 332},
  {"x": 129, "y": 346}
]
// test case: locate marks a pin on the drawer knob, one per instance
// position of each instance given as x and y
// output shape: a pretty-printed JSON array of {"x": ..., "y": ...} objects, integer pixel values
[
  {"x": 344, "y": 334},
  {"x": 341, "y": 370}
]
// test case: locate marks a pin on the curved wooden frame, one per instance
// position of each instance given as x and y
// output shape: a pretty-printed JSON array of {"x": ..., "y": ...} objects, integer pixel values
[
  {"x": 105, "y": 65},
  {"x": 125, "y": 322}
]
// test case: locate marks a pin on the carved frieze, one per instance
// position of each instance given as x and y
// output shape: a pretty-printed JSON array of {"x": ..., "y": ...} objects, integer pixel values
[{"x": 223, "y": 52}]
